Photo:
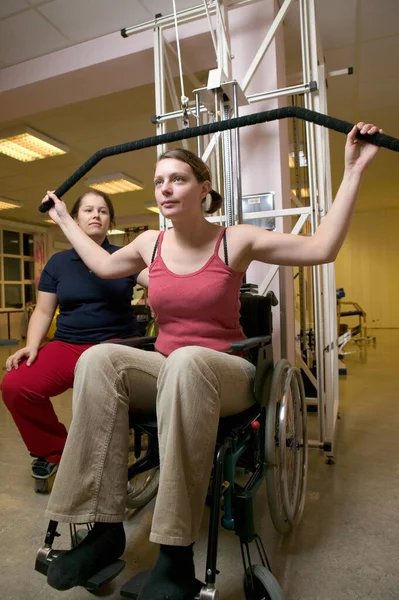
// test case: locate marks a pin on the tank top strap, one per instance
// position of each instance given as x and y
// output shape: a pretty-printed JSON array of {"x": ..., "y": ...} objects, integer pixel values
[
  {"x": 157, "y": 245},
  {"x": 221, "y": 237}
]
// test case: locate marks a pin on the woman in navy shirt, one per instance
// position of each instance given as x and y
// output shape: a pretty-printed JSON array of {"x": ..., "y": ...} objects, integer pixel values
[{"x": 91, "y": 310}]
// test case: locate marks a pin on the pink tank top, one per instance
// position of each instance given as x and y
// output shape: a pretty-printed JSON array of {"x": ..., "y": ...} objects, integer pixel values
[{"x": 198, "y": 309}]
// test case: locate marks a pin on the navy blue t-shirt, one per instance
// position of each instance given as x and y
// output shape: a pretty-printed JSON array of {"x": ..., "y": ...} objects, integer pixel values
[{"x": 91, "y": 309}]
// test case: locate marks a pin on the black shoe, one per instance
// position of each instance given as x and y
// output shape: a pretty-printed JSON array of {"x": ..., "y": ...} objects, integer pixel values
[
  {"x": 100, "y": 548},
  {"x": 42, "y": 469}
]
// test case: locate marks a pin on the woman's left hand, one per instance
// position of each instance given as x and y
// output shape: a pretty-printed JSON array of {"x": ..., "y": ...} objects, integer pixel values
[
  {"x": 359, "y": 153},
  {"x": 59, "y": 210}
]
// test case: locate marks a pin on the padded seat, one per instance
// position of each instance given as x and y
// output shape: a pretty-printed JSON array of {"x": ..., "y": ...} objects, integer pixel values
[{"x": 227, "y": 425}]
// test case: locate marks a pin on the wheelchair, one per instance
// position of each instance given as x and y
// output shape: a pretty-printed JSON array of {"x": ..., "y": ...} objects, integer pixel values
[{"x": 267, "y": 442}]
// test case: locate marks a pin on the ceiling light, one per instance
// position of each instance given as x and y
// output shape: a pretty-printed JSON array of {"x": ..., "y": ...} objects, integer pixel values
[
  {"x": 151, "y": 206},
  {"x": 6, "y": 204},
  {"x": 27, "y": 145},
  {"x": 115, "y": 232},
  {"x": 114, "y": 183}
]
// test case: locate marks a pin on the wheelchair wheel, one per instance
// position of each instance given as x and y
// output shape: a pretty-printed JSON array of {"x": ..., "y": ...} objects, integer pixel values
[
  {"x": 286, "y": 447},
  {"x": 143, "y": 487},
  {"x": 265, "y": 585}
]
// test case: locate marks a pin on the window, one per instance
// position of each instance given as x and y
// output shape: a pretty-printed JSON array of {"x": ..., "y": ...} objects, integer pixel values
[{"x": 17, "y": 269}]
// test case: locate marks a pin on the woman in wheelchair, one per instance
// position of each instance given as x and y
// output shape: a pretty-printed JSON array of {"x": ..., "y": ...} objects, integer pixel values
[{"x": 195, "y": 274}]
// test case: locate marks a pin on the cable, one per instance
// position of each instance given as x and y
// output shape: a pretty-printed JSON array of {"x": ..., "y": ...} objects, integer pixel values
[
  {"x": 379, "y": 139},
  {"x": 183, "y": 99}
]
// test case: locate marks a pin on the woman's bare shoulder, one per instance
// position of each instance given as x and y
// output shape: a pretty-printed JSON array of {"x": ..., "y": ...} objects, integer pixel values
[
  {"x": 242, "y": 233},
  {"x": 145, "y": 243}
]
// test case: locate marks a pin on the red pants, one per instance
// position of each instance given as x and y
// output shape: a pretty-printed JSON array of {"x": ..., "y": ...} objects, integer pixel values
[{"x": 27, "y": 391}]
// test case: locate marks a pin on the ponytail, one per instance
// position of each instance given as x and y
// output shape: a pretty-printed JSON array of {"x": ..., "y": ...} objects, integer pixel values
[{"x": 216, "y": 202}]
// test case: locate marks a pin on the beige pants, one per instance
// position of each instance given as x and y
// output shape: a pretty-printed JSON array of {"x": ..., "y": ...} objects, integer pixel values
[{"x": 190, "y": 390}]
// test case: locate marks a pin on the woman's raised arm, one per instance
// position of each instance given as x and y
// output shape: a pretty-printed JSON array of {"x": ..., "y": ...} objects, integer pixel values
[{"x": 324, "y": 245}]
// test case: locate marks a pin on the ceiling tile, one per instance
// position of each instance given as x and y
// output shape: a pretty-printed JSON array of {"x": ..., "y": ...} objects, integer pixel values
[
  {"x": 82, "y": 21},
  {"x": 9, "y": 7},
  {"x": 39, "y": 36},
  {"x": 165, "y": 7}
]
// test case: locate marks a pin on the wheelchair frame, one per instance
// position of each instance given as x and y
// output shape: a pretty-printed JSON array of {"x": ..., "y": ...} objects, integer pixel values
[{"x": 259, "y": 446}]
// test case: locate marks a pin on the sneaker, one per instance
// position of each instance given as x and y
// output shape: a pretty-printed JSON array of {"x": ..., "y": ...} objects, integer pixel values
[{"x": 42, "y": 469}]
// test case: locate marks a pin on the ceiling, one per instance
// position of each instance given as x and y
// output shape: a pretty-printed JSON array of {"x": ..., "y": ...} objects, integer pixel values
[{"x": 102, "y": 104}]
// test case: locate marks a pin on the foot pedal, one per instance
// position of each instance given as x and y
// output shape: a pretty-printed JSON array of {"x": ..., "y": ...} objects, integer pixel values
[
  {"x": 131, "y": 588},
  {"x": 105, "y": 575},
  {"x": 46, "y": 555}
]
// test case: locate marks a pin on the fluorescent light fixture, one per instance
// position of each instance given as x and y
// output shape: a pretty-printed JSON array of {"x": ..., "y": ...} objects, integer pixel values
[
  {"x": 114, "y": 183},
  {"x": 28, "y": 145},
  {"x": 152, "y": 206},
  {"x": 6, "y": 204},
  {"x": 115, "y": 232}
]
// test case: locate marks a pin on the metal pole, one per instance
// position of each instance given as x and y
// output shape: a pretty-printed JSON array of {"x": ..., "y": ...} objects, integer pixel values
[
  {"x": 159, "y": 81},
  {"x": 198, "y": 119},
  {"x": 228, "y": 170},
  {"x": 237, "y": 158},
  {"x": 312, "y": 166}
]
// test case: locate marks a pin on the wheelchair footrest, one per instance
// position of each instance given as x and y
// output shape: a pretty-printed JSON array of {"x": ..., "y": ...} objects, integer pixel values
[
  {"x": 131, "y": 588},
  {"x": 46, "y": 555},
  {"x": 105, "y": 575}
]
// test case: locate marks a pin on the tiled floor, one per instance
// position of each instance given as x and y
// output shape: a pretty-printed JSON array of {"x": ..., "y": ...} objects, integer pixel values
[{"x": 346, "y": 547}]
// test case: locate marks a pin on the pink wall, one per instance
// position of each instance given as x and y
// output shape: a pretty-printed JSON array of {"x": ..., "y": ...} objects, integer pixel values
[{"x": 264, "y": 148}]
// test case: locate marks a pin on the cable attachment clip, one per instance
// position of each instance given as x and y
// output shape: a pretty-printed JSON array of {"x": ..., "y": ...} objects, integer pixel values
[{"x": 184, "y": 106}]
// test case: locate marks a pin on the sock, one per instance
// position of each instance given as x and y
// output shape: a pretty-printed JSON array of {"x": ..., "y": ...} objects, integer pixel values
[
  {"x": 102, "y": 545},
  {"x": 173, "y": 576}
]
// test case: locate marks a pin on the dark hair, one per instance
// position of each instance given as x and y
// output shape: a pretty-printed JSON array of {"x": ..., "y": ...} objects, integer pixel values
[
  {"x": 75, "y": 208},
  {"x": 200, "y": 170}
]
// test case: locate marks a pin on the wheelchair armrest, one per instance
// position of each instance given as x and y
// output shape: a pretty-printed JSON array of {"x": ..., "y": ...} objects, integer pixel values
[
  {"x": 251, "y": 343},
  {"x": 137, "y": 342}
]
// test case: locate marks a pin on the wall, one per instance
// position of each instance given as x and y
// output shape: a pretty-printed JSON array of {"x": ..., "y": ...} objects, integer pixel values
[{"x": 368, "y": 265}]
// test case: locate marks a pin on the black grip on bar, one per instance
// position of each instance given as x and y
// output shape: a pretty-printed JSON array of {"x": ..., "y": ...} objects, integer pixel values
[{"x": 379, "y": 139}]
